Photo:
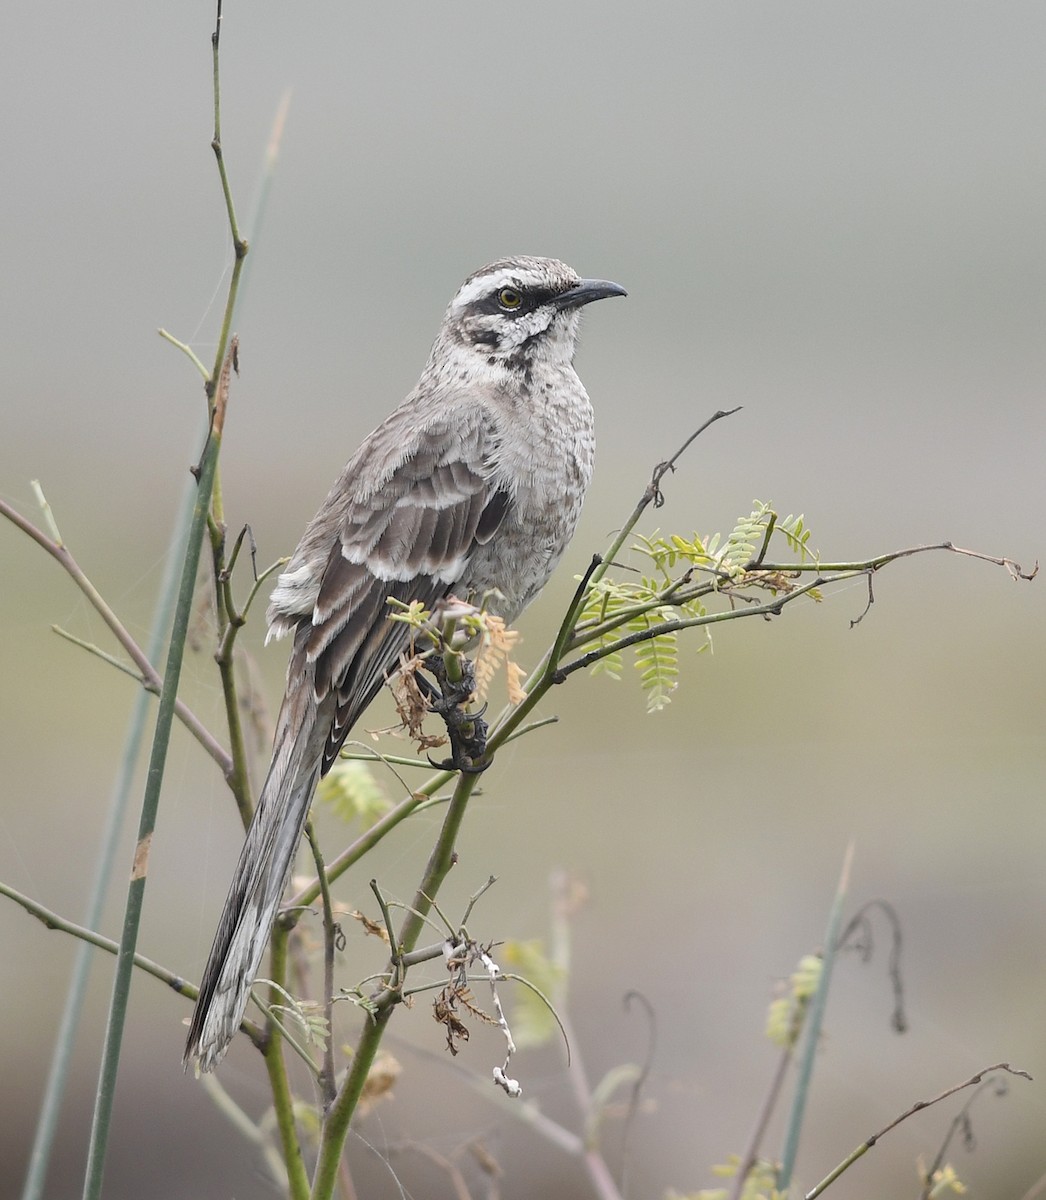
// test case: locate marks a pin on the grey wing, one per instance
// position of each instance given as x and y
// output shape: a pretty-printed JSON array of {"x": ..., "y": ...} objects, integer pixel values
[{"x": 409, "y": 538}]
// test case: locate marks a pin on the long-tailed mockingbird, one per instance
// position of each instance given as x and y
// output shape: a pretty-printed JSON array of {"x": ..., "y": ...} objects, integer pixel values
[{"x": 473, "y": 485}]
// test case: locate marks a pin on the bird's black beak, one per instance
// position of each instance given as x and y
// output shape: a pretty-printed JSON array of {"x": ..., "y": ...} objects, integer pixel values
[{"x": 587, "y": 290}]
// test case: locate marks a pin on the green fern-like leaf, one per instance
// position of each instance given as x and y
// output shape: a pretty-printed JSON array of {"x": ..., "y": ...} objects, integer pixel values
[
  {"x": 656, "y": 660},
  {"x": 604, "y": 600},
  {"x": 675, "y": 566},
  {"x": 796, "y": 534},
  {"x": 745, "y": 538},
  {"x": 612, "y": 665},
  {"x": 667, "y": 553}
]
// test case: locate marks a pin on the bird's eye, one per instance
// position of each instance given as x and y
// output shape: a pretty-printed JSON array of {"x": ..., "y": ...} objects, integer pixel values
[{"x": 509, "y": 298}]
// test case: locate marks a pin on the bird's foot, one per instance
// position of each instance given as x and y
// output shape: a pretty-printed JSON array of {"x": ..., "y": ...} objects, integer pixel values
[{"x": 467, "y": 730}]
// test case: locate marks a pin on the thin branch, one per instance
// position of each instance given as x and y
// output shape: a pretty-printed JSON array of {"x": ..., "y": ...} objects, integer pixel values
[
  {"x": 677, "y": 595},
  {"x": 229, "y": 624},
  {"x": 247, "y": 1128},
  {"x": 1014, "y": 568},
  {"x": 239, "y": 244},
  {"x": 370, "y": 837},
  {"x": 366, "y": 755},
  {"x": 865, "y": 1146},
  {"x": 772, "y": 608},
  {"x": 327, "y": 1085},
  {"x": 573, "y": 612},
  {"x": 762, "y": 1121},
  {"x": 961, "y": 1121},
  {"x": 259, "y": 583},
  {"x": 526, "y": 1111},
  {"x": 98, "y": 652},
  {"x": 188, "y": 351},
  {"x": 480, "y": 891},
  {"x": 150, "y": 677},
  {"x": 390, "y": 764},
  {"x": 652, "y": 493},
  {"x": 529, "y": 728},
  {"x": 453, "y": 1172},
  {"x": 395, "y": 952},
  {"x": 52, "y": 920},
  {"x": 45, "y": 508}
]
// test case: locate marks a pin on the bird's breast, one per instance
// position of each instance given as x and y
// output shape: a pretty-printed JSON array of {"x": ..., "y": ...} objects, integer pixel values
[{"x": 544, "y": 460}]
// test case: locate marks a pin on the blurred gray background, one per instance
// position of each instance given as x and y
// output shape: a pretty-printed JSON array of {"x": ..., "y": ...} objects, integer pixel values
[{"x": 829, "y": 214}]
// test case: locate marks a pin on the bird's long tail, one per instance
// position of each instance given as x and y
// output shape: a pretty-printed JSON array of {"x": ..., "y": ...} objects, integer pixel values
[{"x": 258, "y": 884}]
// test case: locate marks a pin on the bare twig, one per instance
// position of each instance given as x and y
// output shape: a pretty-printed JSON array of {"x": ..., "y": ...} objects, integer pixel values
[
  {"x": 53, "y": 920},
  {"x": 961, "y": 1121},
  {"x": 865, "y": 1146},
  {"x": 762, "y": 1121},
  {"x": 330, "y": 933},
  {"x": 150, "y": 677},
  {"x": 652, "y": 494},
  {"x": 860, "y": 921}
]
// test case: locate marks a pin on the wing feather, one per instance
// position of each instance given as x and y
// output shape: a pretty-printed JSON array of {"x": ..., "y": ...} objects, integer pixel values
[{"x": 404, "y": 533}]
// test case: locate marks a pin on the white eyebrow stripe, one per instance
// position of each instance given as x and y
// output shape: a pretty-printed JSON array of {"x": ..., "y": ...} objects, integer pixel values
[{"x": 483, "y": 285}]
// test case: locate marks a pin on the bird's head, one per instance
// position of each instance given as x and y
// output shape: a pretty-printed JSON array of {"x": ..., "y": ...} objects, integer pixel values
[{"x": 520, "y": 309}]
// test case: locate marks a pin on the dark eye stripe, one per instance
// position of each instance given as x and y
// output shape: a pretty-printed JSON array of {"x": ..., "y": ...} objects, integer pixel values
[
  {"x": 530, "y": 298},
  {"x": 491, "y": 304}
]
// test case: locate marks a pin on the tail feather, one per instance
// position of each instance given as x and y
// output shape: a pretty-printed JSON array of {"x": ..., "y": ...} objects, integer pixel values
[{"x": 257, "y": 887}]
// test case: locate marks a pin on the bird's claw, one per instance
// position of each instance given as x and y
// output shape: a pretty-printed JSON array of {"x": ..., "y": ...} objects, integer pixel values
[
  {"x": 467, "y": 730},
  {"x": 464, "y": 766}
]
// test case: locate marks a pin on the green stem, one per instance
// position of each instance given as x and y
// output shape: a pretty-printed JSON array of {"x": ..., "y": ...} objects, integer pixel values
[
  {"x": 39, "y": 1158},
  {"x": 238, "y": 778},
  {"x": 283, "y": 1101},
  {"x": 150, "y": 804},
  {"x": 814, "y": 1024},
  {"x": 229, "y": 624},
  {"x": 772, "y": 608},
  {"x": 672, "y": 597},
  {"x": 218, "y": 394},
  {"x": 327, "y": 1084},
  {"x": 336, "y": 1126},
  {"x": 370, "y": 838},
  {"x": 188, "y": 351}
]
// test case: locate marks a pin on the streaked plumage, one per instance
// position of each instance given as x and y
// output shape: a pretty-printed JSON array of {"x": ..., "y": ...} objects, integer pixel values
[{"x": 475, "y": 483}]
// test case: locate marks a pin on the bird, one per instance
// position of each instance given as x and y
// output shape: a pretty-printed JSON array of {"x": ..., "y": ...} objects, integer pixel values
[{"x": 472, "y": 487}]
